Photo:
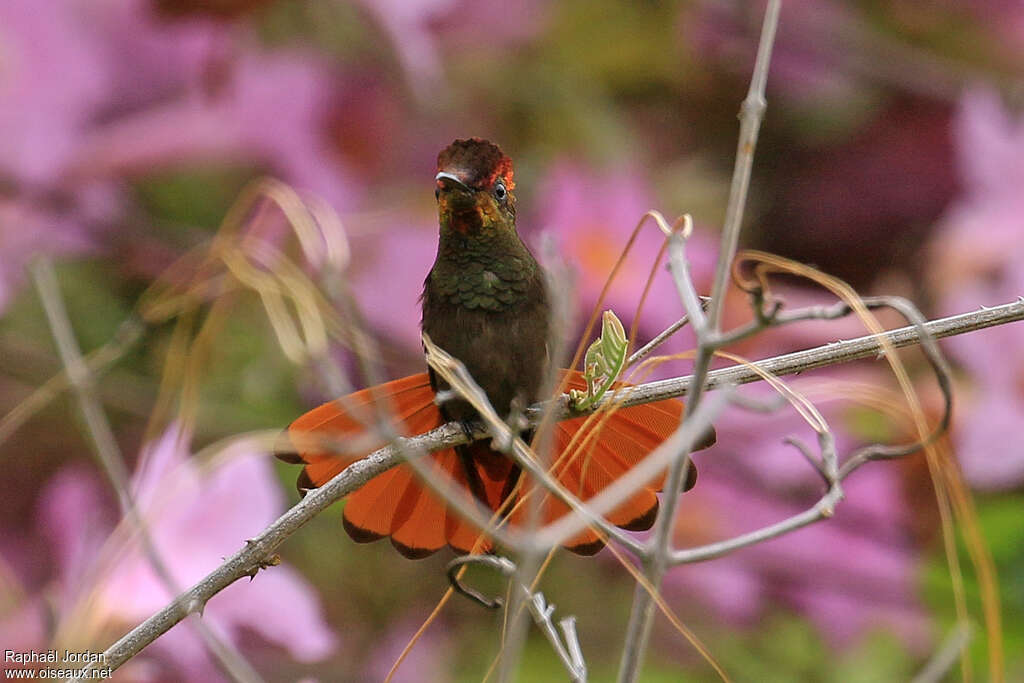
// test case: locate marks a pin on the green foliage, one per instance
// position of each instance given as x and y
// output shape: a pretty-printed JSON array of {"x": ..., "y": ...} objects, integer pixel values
[
  {"x": 193, "y": 195},
  {"x": 247, "y": 383},
  {"x": 602, "y": 363},
  {"x": 1000, "y": 521}
]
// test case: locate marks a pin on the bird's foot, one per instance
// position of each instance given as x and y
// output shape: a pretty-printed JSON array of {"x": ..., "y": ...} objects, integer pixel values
[{"x": 467, "y": 429}]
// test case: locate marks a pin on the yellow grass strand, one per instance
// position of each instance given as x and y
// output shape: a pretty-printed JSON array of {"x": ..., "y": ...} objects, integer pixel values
[{"x": 952, "y": 496}]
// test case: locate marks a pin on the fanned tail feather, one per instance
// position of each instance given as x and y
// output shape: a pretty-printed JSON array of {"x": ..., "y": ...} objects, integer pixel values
[
  {"x": 590, "y": 454},
  {"x": 394, "y": 503}
]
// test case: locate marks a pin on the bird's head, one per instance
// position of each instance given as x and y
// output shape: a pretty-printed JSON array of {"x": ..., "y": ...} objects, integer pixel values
[{"x": 474, "y": 187}]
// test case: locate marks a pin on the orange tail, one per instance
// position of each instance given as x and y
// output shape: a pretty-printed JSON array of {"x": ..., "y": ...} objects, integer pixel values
[
  {"x": 396, "y": 504},
  {"x": 593, "y": 452}
]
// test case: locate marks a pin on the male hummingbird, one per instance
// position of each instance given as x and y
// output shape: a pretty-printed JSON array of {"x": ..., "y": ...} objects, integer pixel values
[{"x": 485, "y": 302}]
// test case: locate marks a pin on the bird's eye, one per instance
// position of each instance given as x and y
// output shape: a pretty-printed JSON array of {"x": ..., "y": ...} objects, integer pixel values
[{"x": 500, "y": 192}]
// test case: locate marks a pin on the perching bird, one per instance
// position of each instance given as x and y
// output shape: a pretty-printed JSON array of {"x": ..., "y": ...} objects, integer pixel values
[{"x": 485, "y": 303}]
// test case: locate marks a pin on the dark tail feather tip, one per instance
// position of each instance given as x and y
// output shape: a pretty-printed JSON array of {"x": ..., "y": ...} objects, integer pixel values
[
  {"x": 643, "y": 522},
  {"x": 410, "y": 552},
  {"x": 691, "y": 477},
  {"x": 360, "y": 535},
  {"x": 290, "y": 457},
  {"x": 592, "y": 548},
  {"x": 303, "y": 483}
]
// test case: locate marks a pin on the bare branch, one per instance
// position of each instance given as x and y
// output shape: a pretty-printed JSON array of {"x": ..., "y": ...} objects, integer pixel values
[
  {"x": 802, "y": 448},
  {"x": 642, "y": 616},
  {"x": 650, "y": 346},
  {"x": 942, "y": 374},
  {"x": 252, "y": 557},
  {"x": 108, "y": 453},
  {"x": 834, "y": 353},
  {"x": 822, "y": 509},
  {"x": 571, "y": 654},
  {"x": 248, "y": 559},
  {"x": 751, "y": 113},
  {"x": 95, "y": 363}
]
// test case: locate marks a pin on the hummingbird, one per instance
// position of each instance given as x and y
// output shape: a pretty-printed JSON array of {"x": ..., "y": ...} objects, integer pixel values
[{"x": 485, "y": 301}]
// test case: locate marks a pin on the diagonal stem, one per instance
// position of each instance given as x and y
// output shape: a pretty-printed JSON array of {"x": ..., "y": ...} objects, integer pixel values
[
  {"x": 109, "y": 454},
  {"x": 642, "y": 617}
]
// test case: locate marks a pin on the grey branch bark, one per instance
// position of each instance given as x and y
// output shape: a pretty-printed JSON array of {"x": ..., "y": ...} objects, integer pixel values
[
  {"x": 641, "y": 617},
  {"x": 843, "y": 351},
  {"x": 100, "y": 433}
]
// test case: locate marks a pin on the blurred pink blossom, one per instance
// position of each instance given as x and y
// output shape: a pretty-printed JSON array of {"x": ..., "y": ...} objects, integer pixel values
[
  {"x": 427, "y": 661},
  {"x": 26, "y": 231},
  {"x": 750, "y": 443},
  {"x": 53, "y": 79},
  {"x": 150, "y": 58},
  {"x": 408, "y": 26},
  {"x": 246, "y": 120},
  {"x": 989, "y": 143},
  {"x": 591, "y": 216},
  {"x": 96, "y": 94},
  {"x": 51, "y": 82},
  {"x": 851, "y": 573},
  {"x": 1004, "y": 19},
  {"x": 805, "y": 67},
  {"x": 978, "y": 259},
  {"x": 414, "y": 27},
  {"x": 388, "y": 277},
  {"x": 196, "y": 515}
]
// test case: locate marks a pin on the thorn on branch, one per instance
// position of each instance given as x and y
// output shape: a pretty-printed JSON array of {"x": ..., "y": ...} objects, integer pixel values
[
  {"x": 195, "y": 606},
  {"x": 266, "y": 562}
]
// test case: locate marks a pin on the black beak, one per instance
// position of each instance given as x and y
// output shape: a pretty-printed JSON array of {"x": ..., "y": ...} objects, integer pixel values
[{"x": 449, "y": 181}]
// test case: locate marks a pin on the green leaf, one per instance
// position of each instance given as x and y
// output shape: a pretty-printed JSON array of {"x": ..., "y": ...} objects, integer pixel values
[{"x": 602, "y": 363}]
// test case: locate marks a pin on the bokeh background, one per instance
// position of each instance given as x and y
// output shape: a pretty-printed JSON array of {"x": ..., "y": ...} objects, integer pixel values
[{"x": 892, "y": 155}]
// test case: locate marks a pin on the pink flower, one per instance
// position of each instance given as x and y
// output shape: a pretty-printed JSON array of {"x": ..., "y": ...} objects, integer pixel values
[
  {"x": 246, "y": 120},
  {"x": 149, "y": 57},
  {"x": 804, "y": 68},
  {"x": 847, "y": 574},
  {"x": 388, "y": 277},
  {"x": 97, "y": 93},
  {"x": 592, "y": 215},
  {"x": 197, "y": 514},
  {"x": 978, "y": 255},
  {"x": 408, "y": 25},
  {"x": 989, "y": 142},
  {"x": 29, "y": 231},
  {"x": 750, "y": 444},
  {"x": 426, "y": 663},
  {"x": 415, "y": 28},
  {"x": 53, "y": 80},
  {"x": 1002, "y": 20}
]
